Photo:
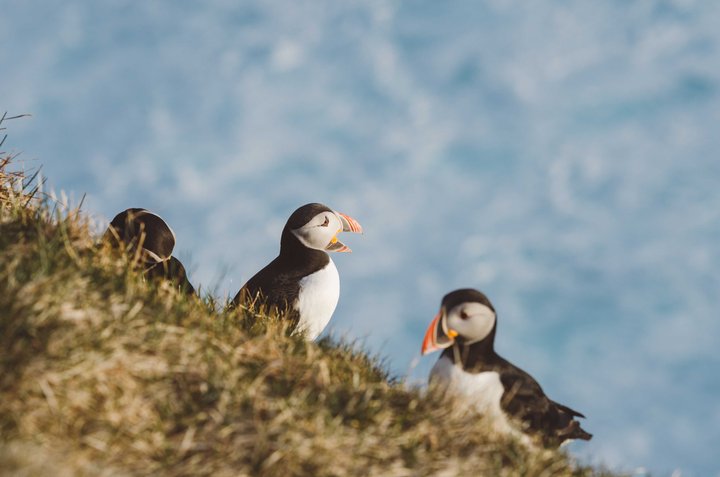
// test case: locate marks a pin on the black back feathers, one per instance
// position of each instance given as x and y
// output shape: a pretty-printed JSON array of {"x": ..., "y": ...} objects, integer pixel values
[{"x": 142, "y": 232}]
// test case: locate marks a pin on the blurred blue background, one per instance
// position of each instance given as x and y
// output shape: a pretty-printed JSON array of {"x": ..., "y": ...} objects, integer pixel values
[{"x": 560, "y": 156}]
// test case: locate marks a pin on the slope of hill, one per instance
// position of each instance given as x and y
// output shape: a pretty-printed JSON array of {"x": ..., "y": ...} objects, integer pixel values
[{"x": 102, "y": 373}]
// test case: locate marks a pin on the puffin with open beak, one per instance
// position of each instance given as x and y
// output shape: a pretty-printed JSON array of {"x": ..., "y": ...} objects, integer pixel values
[
  {"x": 470, "y": 368},
  {"x": 303, "y": 279},
  {"x": 147, "y": 234}
]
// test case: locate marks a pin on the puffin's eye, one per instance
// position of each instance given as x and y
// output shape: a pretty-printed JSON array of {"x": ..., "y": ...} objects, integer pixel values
[
  {"x": 464, "y": 315},
  {"x": 326, "y": 223}
]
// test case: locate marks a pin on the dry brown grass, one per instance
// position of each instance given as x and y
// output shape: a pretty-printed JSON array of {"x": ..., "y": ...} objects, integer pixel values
[{"x": 102, "y": 373}]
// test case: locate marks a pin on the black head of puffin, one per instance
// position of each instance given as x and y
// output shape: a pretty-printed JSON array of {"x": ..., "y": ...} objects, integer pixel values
[
  {"x": 137, "y": 227},
  {"x": 316, "y": 227},
  {"x": 466, "y": 316}
]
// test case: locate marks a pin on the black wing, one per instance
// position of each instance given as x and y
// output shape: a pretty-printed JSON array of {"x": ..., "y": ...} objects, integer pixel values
[
  {"x": 525, "y": 400},
  {"x": 275, "y": 287}
]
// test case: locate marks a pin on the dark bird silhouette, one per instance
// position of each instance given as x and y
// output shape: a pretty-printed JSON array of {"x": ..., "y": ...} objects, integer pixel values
[{"x": 148, "y": 235}]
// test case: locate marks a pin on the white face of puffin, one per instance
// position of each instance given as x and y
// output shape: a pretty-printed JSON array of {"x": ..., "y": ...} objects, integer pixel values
[
  {"x": 472, "y": 321},
  {"x": 320, "y": 233}
]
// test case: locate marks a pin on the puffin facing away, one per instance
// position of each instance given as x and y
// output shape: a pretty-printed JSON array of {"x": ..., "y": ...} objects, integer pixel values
[
  {"x": 470, "y": 368},
  {"x": 303, "y": 279},
  {"x": 133, "y": 228}
]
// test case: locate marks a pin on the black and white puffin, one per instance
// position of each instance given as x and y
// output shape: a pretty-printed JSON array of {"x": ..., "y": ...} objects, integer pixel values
[
  {"x": 136, "y": 227},
  {"x": 471, "y": 369},
  {"x": 303, "y": 279}
]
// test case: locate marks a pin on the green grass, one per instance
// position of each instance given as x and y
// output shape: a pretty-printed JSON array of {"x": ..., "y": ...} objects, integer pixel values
[{"x": 102, "y": 373}]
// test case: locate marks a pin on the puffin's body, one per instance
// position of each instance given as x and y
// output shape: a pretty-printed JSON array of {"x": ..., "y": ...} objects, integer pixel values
[
  {"x": 303, "y": 278},
  {"x": 470, "y": 368},
  {"x": 139, "y": 228}
]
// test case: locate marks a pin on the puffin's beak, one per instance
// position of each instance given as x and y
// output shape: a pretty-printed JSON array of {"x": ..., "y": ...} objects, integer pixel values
[
  {"x": 337, "y": 246},
  {"x": 436, "y": 337},
  {"x": 349, "y": 224}
]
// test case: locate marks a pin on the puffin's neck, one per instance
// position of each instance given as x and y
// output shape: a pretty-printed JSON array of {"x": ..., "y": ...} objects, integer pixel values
[
  {"x": 473, "y": 355},
  {"x": 293, "y": 251}
]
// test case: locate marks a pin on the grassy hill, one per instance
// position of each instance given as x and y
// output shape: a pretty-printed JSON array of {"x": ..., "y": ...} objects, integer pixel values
[{"x": 102, "y": 373}]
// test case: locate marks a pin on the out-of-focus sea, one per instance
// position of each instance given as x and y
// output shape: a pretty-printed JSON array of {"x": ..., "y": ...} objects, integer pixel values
[{"x": 560, "y": 156}]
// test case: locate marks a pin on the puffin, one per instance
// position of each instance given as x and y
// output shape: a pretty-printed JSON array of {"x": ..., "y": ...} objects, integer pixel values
[
  {"x": 303, "y": 279},
  {"x": 137, "y": 227},
  {"x": 470, "y": 369}
]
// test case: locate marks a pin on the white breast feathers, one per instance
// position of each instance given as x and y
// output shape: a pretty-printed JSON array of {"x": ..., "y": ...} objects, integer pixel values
[{"x": 318, "y": 297}]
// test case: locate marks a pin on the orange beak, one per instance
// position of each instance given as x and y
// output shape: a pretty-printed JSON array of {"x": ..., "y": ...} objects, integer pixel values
[
  {"x": 349, "y": 224},
  {"x": 337, "y": 246},
  {"x": 436, "y": 338}
]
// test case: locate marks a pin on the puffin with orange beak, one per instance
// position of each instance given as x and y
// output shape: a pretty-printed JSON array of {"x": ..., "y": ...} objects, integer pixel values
[
  {"x": 470, "y": 368},
  {"x": 303, "y": 279}
]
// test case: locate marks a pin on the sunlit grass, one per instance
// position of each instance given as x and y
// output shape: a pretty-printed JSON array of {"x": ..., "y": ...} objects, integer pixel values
[{"x": 103, "y": 373}]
